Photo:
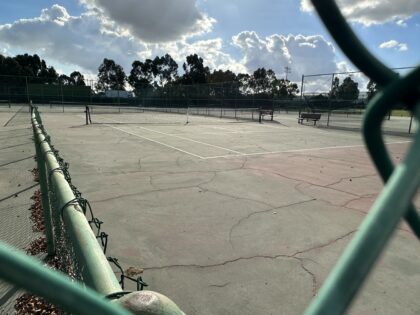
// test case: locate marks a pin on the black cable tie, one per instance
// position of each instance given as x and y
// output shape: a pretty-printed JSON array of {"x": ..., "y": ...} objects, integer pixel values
[
  {"x": 54, "y": 170},
  {"x": 71, "y": 202},
  {"x": 117, "y": 295}
]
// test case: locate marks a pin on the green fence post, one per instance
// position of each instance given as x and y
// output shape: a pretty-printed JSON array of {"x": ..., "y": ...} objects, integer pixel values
[{"x": 44, "y": 198}]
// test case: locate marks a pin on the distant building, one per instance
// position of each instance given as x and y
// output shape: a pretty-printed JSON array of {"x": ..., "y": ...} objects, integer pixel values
[{"x": 119, "y": 93}]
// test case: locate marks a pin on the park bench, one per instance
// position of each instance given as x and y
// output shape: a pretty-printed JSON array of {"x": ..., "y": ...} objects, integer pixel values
[
  {"x": 309, "y": 116},
  {"x": 263, "y": 112}
]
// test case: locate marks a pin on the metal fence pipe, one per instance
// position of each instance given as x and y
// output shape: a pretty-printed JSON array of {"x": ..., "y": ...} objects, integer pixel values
[
  {"x": 96, "y": 271},
  {"x": 45, "y": 200},
  {"x": 27, "y": 273}
]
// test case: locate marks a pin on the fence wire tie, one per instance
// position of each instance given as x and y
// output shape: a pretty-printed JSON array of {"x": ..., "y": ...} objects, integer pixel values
[
  {"x": 54, "y": 170},
  {"x": 139, "y": 280},
  {"x": 104, "y": 240},
  {"x": 73, "y": 202},
  {"x": 117, "y": 295}
]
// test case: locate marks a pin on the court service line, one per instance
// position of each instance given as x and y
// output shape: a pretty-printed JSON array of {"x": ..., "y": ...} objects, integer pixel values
[
  {"x": 298, "y": 150},
  {"x": 155, "y": 141},
  {"x": 187, "y": 139}
]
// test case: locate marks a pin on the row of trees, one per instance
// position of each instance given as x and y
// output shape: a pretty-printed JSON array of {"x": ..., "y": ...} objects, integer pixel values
[
  {"x": 36, "y": 69},
  {"x": 162, "y": 72}
]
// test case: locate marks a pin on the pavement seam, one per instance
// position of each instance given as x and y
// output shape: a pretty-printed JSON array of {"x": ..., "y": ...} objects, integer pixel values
[
  {"x": 19, "y": 192},
  {"x": 20, "y": 160}
]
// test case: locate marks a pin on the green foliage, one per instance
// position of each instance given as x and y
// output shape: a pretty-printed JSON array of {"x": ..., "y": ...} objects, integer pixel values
[
  {"x": 165, "y": 70},
  {"x": 28, "y": 65},
  {"x": 372, "y": 88},
  {"x": 77, "y": 78},
  {"x": 262, "y": 81},
  {"x": 219, "y": 76},
  {"x": 348, "y": 90},
  {"x": 111, "y": 76},
  {"x": 284, "y": 88},
  {"x": 195, "y": 71}
]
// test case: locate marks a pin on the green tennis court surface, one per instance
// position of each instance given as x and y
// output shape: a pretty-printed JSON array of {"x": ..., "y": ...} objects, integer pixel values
[{"x": 234, "y": 217}]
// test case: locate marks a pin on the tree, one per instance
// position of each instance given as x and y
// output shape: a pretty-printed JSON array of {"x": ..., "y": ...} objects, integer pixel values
[
  {"x": 165, "y": 70},
  {"x": 31, "y": 65},
  {"x": 220, "y": 76},
  {"x": 334, "y": 88},
  {"x": 284, "y": 88},
  {"x": 77, "y": 78},
  {"x": 262, "y": 81},
  {"x": 348, "y": 90},
  {"x": 111, "y": 76},
  {"x": 195, "y": 72},
  {"x": 244, "y": 83},
  {"x": 141, "y": 75},
  {"x": 65, "y": 80},
  {"x": 372, "y": 88},
  {"x": 9, "y": 66}
]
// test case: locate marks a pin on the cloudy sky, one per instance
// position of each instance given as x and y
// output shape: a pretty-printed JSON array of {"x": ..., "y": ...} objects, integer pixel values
[{"x": 240, "y": 35}]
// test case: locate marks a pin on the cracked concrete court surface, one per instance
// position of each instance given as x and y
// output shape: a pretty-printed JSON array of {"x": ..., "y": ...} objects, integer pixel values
[{"x": 237, "y": 217}]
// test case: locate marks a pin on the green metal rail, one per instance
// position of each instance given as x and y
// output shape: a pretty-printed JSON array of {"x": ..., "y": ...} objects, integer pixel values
[
  {"x": 345, "y": 280},
  {"x": 100, "y": 285},
  {"x": 97, "y": 272},
  {"x": 402, "y": 182},
  {"x": 27, "y": 273}
]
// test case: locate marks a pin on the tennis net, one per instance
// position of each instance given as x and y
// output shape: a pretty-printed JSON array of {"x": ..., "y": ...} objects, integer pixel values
[{"x": 170, "y": 115}]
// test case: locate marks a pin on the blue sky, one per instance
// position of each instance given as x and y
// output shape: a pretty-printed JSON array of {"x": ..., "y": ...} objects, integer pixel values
[{"x": 239, "y": 35}]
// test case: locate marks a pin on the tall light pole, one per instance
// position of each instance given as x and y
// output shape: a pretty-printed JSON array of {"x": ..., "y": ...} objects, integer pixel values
[{"x": 287, "y": 70}]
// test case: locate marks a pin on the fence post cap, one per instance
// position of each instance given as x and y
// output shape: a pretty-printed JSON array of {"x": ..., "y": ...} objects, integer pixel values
[{"x": 149, "y": 303}]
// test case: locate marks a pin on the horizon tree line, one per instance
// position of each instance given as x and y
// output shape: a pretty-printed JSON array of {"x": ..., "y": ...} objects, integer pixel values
[{"x": 161, "y": 73}]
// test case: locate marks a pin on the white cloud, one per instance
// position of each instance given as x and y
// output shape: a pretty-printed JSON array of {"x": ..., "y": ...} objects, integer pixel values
[
  {"x": 154, "y": 20},
  {"x": 370, "y": 12},
  {"x": 394, "y": 44},
  {"x": 210, "y": 50},
  {"x": 389, "y": 44},
  {"x": 304, "y": 54},
  {"x": 81, "y": 41}
]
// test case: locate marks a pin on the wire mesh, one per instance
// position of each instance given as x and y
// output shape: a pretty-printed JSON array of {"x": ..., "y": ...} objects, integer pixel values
[{"x": 402, "y": 182}]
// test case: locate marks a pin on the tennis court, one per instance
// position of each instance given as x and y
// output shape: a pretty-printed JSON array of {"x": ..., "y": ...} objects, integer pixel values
[{"x": 234, "y": 217}]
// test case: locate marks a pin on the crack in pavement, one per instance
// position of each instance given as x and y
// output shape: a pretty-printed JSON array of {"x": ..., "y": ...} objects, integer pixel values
[
  {"x": 345, "y": 205},
  {"x": 313, "y": 184},
  {"x": 313, "y": 276},
  {"x": 350, "y": 177},
  {"x": 234, "y": 260},
  {"x": 324, "y": 245},
  {"x": 224, "y": 263},
  {"x": 219, "y": 285},
  {"x": 301, "y": 181},
  {"x": 340, "y": 162},
  {"x": 239, "y": 222}
]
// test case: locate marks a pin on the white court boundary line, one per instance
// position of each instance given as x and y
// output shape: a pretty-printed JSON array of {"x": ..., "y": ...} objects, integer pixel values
[
  {"x": 187, "y": 139},
  {"x": 248, "y": 154},
  {"x": 299, "y": 150},
  {"x": 155, "y": 141}
]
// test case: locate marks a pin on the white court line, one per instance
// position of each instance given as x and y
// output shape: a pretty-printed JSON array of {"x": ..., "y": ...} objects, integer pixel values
[
  {"x": 298, "y": 150},
  {"x": 158, "y": 142},
  {"x": 188, "y": 139},
  {"x": 247, "y": 154}
]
